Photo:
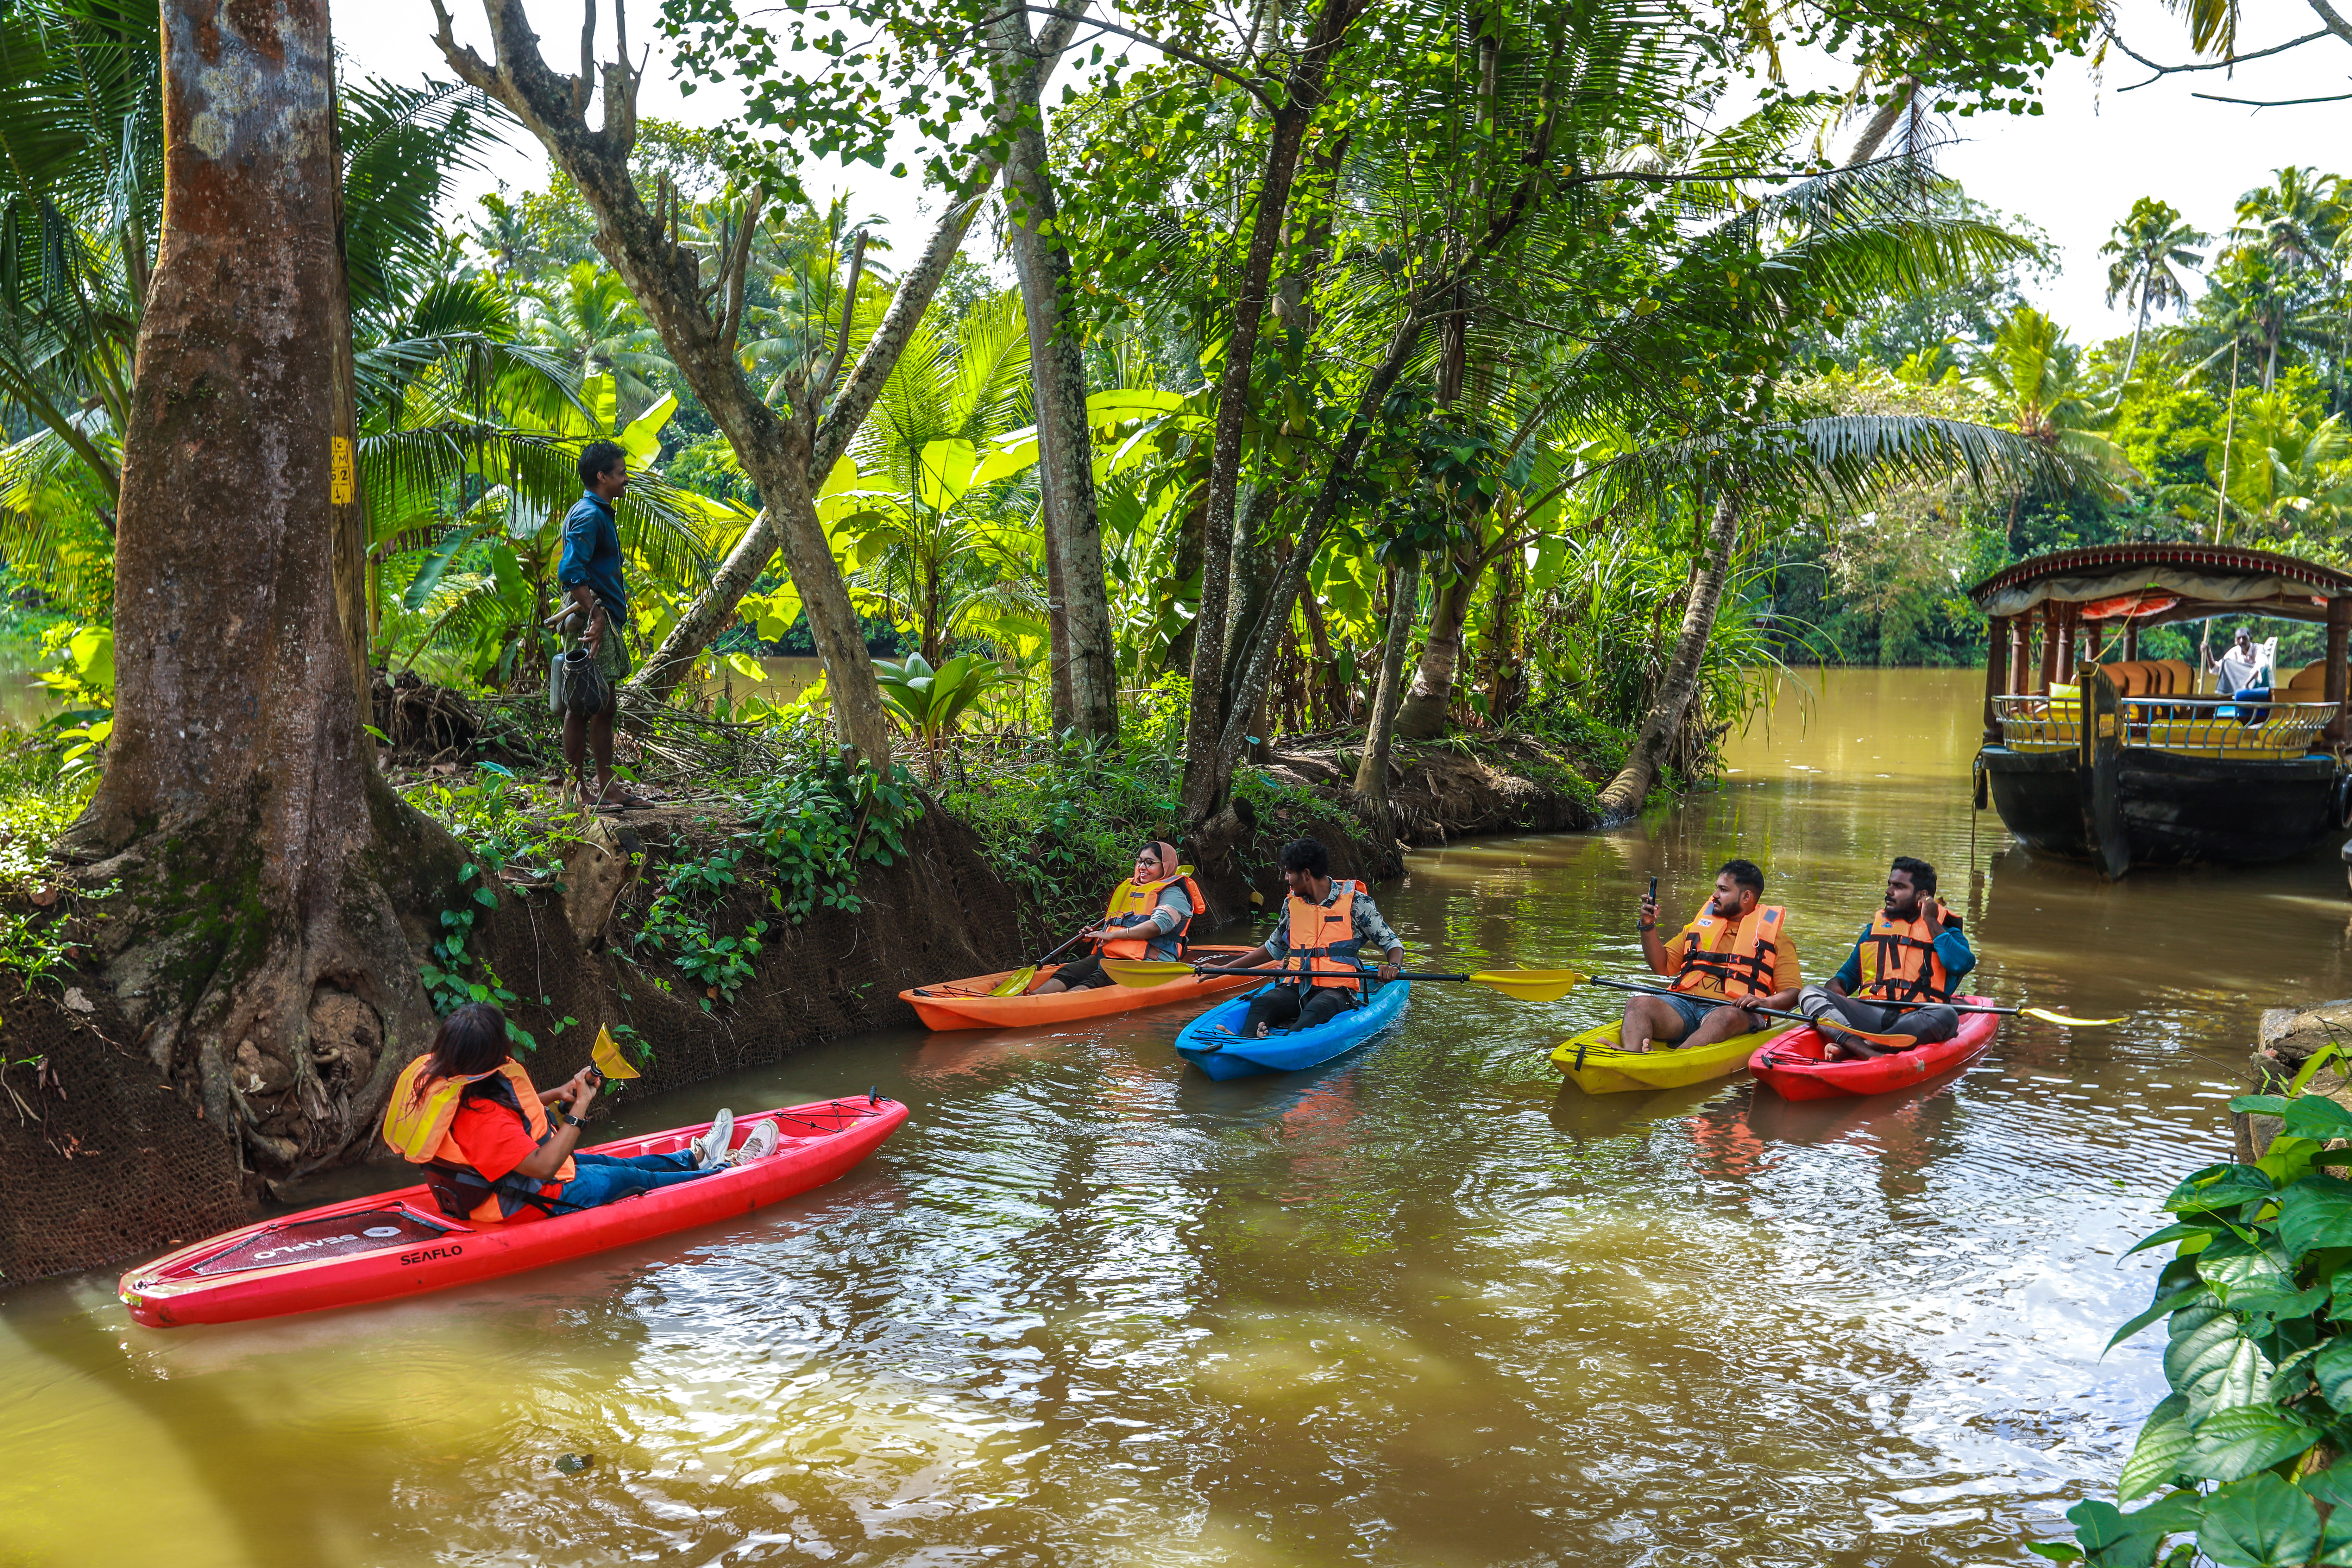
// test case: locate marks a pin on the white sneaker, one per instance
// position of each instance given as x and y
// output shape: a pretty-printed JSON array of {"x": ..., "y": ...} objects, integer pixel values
[
  {"x": 762, "y": 1141},
  {"x": 710, "y": 1149}
]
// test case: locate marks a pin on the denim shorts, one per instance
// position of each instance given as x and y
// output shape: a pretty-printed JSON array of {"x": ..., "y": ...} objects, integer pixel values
[{"x": 1693, "y": 1009}]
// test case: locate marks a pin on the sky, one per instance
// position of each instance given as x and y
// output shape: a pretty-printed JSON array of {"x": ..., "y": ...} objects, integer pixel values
[{"x": 2100, "y": 141}]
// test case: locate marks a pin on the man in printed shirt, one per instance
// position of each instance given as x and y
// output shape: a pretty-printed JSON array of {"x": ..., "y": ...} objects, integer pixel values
[{"x": 1343, "y": 930}]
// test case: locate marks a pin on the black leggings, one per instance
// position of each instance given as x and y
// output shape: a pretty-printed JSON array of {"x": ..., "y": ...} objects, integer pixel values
[
  {"x": 1083, "y": 974},
  {"x": 1280, "y": 1007}
]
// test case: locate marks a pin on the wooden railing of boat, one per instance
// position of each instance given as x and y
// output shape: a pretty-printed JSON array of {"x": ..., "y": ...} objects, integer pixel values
[{"x": 2197, "y": 726}]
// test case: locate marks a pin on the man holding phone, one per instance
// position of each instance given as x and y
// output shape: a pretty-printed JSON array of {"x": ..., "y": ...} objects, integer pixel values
[{"x": 1735, "y": 950}]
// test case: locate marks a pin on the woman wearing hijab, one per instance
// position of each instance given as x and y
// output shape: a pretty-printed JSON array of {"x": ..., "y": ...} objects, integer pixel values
[{"x": 1148, "y": 918}]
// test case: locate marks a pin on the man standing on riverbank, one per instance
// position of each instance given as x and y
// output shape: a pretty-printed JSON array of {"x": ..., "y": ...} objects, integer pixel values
[
  {"x": 1735, "y": 949},
  {"x": 1913, "y": 952},
  {"x": 590, "y": 571}
]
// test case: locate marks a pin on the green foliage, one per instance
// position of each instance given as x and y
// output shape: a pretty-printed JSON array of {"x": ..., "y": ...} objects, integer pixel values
[
  {"x": 2256, "y": 1303},
  {"x": 38, "y": 798},
  {"x": 449, "y": 966},
  {"x": 676, "y": 926},
  {"x": 928, "y": 701},
  {"x": 818, "y": 830}
]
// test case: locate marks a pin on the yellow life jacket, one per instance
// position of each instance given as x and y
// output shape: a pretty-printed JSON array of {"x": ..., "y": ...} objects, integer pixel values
[
  {"x": 1749, "y": 967},
  {"x": 1323, "y": 941},
  {"x": 1899, "y": 962},
  {"x": 1139, "y": 899},
  {"x": 416, "y": 1123}
]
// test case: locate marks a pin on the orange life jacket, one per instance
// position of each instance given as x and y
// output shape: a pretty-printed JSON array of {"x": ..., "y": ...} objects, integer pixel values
[
  {"x": 1899, "y": 962},
  {"x": 1139, "y": 899},
  {"x": 1324, "y": 939},
  {"x": 416, "y": 1124},
  {"x": 1750, "y": 966}
]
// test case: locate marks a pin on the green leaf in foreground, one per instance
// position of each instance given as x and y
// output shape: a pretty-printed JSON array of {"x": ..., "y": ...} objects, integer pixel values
[
  {"x": 2316, "y": 1212},
  {"x": 2156, "y": 1459},
  {"x": 2259, "y": 1522},
  {"x": 2115, "y": 1538},
  {"x": 2234, "y": 1444}
]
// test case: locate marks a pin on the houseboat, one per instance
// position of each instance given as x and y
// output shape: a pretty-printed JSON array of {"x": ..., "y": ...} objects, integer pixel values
[{"x": 2094, "y": 754}]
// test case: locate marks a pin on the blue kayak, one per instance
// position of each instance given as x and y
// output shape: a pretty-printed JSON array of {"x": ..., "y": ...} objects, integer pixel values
[{"x": 1209, "y": 1042}]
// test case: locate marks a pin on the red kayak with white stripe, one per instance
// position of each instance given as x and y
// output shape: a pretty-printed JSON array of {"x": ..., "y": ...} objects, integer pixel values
[
  {"x": 1793, "y": 1066},
  {"x": 400, "y": 1243}
]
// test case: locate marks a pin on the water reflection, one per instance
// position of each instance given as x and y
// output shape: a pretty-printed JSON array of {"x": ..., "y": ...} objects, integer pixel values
[{"x": 1422, "y": 1307}]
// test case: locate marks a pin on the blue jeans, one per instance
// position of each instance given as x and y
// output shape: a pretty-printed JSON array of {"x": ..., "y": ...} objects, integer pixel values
[{"x": 602, "y": 1178}]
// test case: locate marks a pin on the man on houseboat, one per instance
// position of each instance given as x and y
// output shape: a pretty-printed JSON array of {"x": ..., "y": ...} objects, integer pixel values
[
  {"x": 1735, "y": 950},
  {"x": 1900, "y": 976}
]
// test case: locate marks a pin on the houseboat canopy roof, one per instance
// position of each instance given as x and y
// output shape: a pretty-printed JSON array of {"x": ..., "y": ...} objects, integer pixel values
[{"x": 2156, "y": 584}]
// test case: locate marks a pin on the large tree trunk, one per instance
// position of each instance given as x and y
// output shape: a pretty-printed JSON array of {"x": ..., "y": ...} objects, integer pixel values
[
  {"x": 264, "y": 865},
  {"x": 1302, "y": 93},
  {"x": 1373, "y": 771},
  {"x": 779, "y": 452},
  {"x": 1422, "y": 717},
  {"x": 1709, "y": 571},
  {"x": 1085, "y": 657}
]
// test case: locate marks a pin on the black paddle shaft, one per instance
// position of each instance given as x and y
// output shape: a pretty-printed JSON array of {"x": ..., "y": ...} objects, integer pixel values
[{"x": 1360, "y": 976}]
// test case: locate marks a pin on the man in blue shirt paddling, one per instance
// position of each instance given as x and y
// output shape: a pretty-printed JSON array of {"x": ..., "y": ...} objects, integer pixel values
[
  {"x": 1901, "y": 974},
  {"x": 590, "y": 572}
]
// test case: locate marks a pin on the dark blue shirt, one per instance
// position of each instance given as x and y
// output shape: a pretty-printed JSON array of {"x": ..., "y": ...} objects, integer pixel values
[
  {"x": 1951, "y": 947},
  {"x": 592, "y": 555}
]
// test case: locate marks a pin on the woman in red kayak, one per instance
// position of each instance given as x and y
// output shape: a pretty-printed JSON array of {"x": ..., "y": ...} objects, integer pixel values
[{"x": 499, "y": 1147}]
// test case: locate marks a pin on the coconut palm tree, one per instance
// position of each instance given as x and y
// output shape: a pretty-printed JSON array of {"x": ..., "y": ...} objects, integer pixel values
[
  {"x": 2148, "y": 246},
  {"x": 590, "y": 320}
]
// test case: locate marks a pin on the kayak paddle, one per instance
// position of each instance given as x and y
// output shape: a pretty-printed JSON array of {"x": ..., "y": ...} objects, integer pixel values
[
  {"x": 1898, "y": 1042},
  {"x": 1520, "y": 984},
  {"x": 2045, "y": 1014},
  {"x": 1017, "y": 984},
  {"x": 1525, "y": 984},
  {"x": 606, "y": 1057}
]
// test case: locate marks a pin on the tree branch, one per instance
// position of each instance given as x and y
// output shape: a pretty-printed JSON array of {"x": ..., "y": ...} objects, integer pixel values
[
  {"x": 823, "y": 388},
  {"x": 2271, "y": 103},
  {"x": 1174, "y": 51},
  {"x": 2231, "y": 64}
]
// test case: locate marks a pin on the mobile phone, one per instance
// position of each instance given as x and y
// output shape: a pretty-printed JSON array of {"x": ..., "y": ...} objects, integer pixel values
[{"x": 1654, "y": 889}]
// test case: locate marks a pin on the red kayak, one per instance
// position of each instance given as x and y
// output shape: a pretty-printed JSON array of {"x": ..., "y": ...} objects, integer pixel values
[
  {"x": 1792, "y": 1064},
  {"x": 401, "y": 1244}
]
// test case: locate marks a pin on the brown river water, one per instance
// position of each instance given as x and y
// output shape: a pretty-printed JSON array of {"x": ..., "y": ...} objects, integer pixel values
[{"x": 1425, "y": 1306}]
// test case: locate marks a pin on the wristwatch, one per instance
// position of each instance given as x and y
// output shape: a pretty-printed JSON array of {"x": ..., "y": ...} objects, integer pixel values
[{"x": 567, "y": 1116}]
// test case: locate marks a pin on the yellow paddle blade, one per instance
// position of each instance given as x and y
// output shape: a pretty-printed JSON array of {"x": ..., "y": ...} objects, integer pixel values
[
  {"x": 2047, "y": 1016},
  {"x": 1140, "y": 975},
  {"x": 1016, "y": 984},
  {"x": 608, "y": 1057},
  {"x": 1530, "y": 984}
]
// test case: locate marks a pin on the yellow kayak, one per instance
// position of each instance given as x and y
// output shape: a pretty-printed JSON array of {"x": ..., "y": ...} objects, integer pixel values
[{"x": 1608, "y": 1070}]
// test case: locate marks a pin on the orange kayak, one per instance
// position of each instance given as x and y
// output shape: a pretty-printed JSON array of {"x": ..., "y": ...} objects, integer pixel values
[{"x": 967, "y": 1004}]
